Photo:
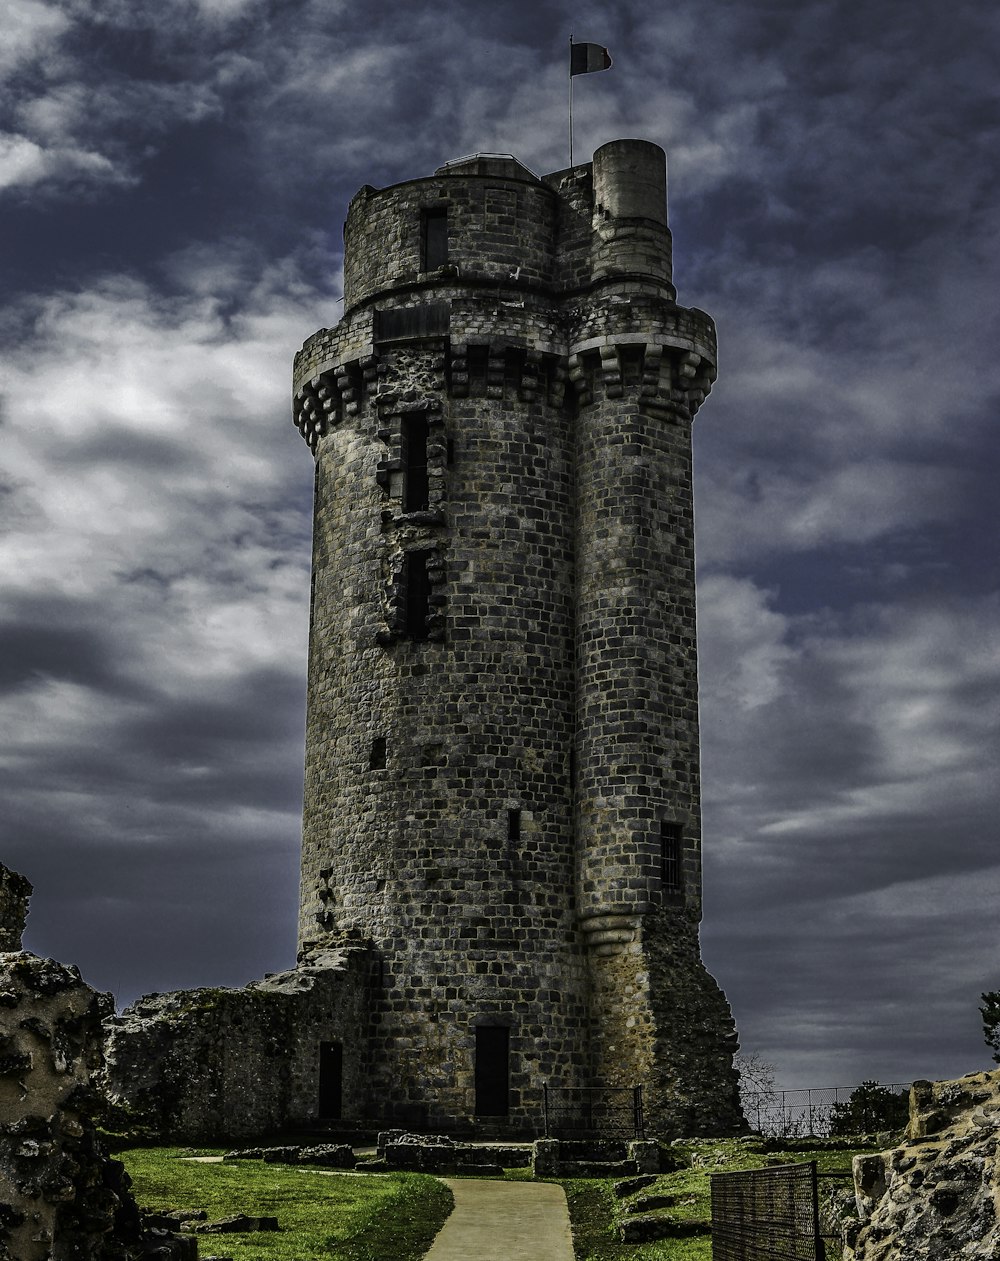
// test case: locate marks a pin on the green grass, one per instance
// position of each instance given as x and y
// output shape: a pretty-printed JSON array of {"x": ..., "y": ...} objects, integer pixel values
[
  {"x": 323, "y": 1217},
  {"x": 595, "y": 1210}
]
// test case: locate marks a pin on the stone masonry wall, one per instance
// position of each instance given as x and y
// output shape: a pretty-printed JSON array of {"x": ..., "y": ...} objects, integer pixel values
[
  {"x": 487, "y": 789},
  {"x": 472, "y": 923},
  {"x": 938, "y": 1195},
  {"x": 60, "y": 1195},
  {"x": 15, "y": 891},
  {"x": 238, "y": 1063}
]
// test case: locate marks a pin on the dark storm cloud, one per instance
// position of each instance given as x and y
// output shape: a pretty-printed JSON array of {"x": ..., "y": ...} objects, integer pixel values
[
  {"x": 28, "y": 652},
  {"x": 172, "y": 181}
]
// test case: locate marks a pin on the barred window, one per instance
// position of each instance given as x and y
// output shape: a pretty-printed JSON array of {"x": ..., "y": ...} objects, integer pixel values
[{"x": 671, "y": 873}]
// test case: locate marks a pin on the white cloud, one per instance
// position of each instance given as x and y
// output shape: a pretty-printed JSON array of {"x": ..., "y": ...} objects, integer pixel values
[
  {"x": 743, "y": 644},
  {"x": 23, "y": 163},
  {"x": 29, "y": 29}
]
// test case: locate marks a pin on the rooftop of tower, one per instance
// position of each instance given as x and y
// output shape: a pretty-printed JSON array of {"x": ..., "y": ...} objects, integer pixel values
[{"x": 499, "y": 165}]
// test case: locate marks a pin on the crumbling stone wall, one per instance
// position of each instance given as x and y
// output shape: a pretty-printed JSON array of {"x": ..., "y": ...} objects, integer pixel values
[
  {"x": 15, "y": 891},
  {"x": 238, "y": 1063},
  {"x": 936, "y": 1195},
  {"x": 60, "y": 1195}
]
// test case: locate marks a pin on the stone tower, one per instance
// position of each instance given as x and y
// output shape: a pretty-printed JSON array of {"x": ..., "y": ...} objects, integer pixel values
[{"x": 502, "y": 784}]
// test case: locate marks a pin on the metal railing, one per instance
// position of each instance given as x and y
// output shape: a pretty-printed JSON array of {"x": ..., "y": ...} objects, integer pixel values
[
  {"x": 799, "y": 1113},
  {"x": 766, "y": 1214},
  {"x": 593, "y": 1112}
]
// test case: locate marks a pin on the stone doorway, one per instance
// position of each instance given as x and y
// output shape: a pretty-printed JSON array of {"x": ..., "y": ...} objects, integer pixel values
[
  {"x": 331, "y": 1079},
  {"x": 492, "y": 1071}
]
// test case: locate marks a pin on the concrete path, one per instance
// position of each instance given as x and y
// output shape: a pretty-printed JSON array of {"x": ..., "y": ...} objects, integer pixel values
[{"x": 504, "y": 1221}]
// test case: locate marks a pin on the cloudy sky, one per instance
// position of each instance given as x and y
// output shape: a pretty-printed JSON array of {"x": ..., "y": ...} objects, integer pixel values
[{"x": 173, "y": 177}]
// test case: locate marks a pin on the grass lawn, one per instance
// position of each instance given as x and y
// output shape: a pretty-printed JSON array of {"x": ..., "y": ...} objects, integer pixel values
[
  {"x": 596, "y": 1211},
  {"x": 394, "y": 1217},
  {"x": 323, "y": 1217}
]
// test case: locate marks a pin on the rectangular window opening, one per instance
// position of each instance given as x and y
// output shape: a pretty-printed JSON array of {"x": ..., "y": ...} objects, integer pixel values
[
  {"x": 514, "y": 826},
  {"x": 414, "y": 444},
  {"x": 416, "y": 594},
  {"x": 671, "y": 875},
  {"x": 434, "y": 238},
  {"x": 377, "y": 754},
  {"x": 492, "y": 1071}
]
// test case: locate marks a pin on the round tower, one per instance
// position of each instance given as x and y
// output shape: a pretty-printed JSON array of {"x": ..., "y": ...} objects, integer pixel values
[{"x": 501, "y": 756}]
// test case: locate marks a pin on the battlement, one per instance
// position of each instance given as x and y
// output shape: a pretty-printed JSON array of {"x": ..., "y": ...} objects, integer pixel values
[{"x": 488, "y": 219}]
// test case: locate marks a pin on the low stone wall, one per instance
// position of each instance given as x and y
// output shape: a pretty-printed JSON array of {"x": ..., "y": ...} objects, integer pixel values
[
  {"x": 437, "y": 1153},
  {"x": 238, "y": 1063},
  {"x": 937, "y": 1194},
  {"x": 61, "y": 1197}
]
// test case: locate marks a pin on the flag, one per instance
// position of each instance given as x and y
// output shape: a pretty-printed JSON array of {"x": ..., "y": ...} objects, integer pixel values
[{"x": 586, "y": 58}]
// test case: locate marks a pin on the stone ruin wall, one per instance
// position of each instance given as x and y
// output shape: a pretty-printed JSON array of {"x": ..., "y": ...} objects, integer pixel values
[
  {"x": 61, "y": 1197},
  {"x": 15, "y": 891},
  {"x": 197, "y": 1065},
  {"x": 937, "y": 1195}
]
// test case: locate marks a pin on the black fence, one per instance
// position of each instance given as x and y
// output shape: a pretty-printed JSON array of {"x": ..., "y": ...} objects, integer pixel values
[
  {"x": 593, "y": 1112},
  {"x": 807, "y": 1112},
  {"x": 766, "y": 1215}
]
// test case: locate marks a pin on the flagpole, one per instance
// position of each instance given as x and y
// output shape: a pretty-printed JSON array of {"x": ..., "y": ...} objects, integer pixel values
[{"x": 571, "y": 100}]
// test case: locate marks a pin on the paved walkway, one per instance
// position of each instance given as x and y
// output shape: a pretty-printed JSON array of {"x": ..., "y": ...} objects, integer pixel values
[{"x": 504, "y": 1221}]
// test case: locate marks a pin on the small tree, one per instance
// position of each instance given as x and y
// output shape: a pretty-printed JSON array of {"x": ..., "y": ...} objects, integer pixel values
[
  {"x": 990, "y": 1012},
  {"x": 870, "y": 1107},
  {"x": 757, "y": 1092}
]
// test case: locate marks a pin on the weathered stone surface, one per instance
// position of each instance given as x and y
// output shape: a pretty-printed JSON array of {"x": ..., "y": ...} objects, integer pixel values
[
  {"x": 502, "y": 797},
  {"x": 628, "y": 1186},
  {"x": 936, "y": 1195},
  {"x": 234, "y": 1063},
  {"x": 660, "y": 1226},
  {"x": 332, "y": 1155},
  {"x": 237, "y": 1223},
  {"x": 61, "y": 1196},
  {"x": 649, "y": 1203},
  {"x": 15, "y": 891},
  {"x": 502, "y": 784}
]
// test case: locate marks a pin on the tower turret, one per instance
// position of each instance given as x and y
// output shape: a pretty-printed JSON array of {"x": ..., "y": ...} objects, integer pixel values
[{"x": 502, "y": 737}]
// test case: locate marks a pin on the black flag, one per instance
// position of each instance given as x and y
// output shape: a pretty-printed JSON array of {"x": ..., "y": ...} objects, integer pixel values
[{"x": 586, "y": 58}]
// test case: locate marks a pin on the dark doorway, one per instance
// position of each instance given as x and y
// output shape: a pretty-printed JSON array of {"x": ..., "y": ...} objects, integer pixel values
[
  {"x": 331, "y": 1073},
  {"x": 492, "y": 1071}
]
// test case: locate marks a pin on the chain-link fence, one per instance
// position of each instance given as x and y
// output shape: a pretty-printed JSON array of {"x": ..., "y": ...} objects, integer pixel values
[{"x": 809, "y": 1112}]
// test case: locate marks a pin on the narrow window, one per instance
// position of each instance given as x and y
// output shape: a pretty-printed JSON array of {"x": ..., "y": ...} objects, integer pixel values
[
  {"x": 414, "y": 435},
  {"x": 434, "y": 238},
  {"x": 670, "y": 857},
  {"x": 416, "y": 594},
  {"x": 514, "y": 826},
  {"x": 377, "y": 754},
  {"x": 331, "y": 1072},
  {"x": 492, "y": 1071}
]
